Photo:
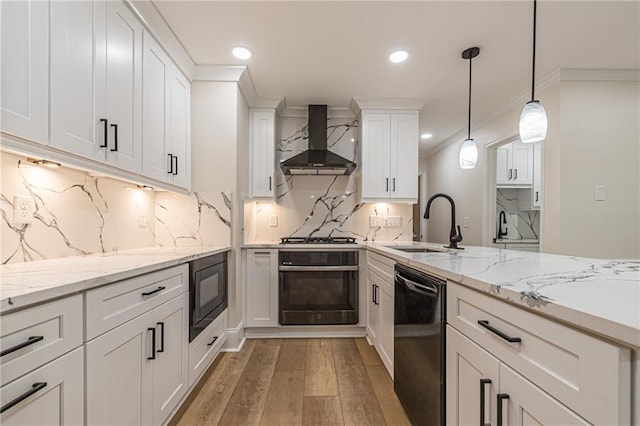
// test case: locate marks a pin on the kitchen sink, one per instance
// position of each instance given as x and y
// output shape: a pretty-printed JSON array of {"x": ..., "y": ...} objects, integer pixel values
[{"x": 415, "y": 249}]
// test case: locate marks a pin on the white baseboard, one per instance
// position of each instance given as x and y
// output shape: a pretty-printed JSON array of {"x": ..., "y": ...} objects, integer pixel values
[
  {"x": 302, "y": 331},
  {"x": 235, "y": 338}
]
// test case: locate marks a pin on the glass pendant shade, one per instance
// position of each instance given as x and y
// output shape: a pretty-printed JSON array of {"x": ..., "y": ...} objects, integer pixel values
[
  {"x": 468, "y": 154},
  {"x": 533, "y": 122}
]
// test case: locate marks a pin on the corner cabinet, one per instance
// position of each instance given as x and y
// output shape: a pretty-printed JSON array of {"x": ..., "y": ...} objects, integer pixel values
[
  {"x": 24, "y": 54},
  {"x": 166, "y": 103},
  {"x": 262, "y": 153},
  {"x": 390, "y": 155},
  {"x": 514, "y": 165},
  {"x": 509, "y": 366},
  {"x": 262, "y": 288}
]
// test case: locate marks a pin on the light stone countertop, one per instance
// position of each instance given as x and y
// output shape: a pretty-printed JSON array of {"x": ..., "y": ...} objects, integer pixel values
[
  {"x": 28, "y": 283},
  {"x": 598, "y": 295}
]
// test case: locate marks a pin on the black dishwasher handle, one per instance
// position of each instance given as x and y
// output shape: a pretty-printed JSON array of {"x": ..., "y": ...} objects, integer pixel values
[
  {"x": 485, "y": 324},
  {"x": 428, "y": 289}
]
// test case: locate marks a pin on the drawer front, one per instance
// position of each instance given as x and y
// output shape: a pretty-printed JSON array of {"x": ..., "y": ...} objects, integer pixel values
[
  {"x": 37, "y": 335},
  {"x": 115, "y": 304},
  {"x": 50, "y": 395},
  {"x": 383, "y": 266},
  {"x": 202, "y": 351},
  {"x": 587, "y": 374}
]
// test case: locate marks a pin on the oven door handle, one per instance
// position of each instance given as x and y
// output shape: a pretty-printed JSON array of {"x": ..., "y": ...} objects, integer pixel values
[{"x": 317, "y": 268}]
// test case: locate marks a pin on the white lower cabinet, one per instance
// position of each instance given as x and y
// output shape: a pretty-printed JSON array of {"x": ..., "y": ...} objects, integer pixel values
[
  {"x": 50, "y": 395},
  {"x": 137, "y": 373},
  {"x": 205, "y": 347},
  {"x": 262, "y": 288},
  {"x": 380, "y": 307},
  {"x": 385, "y": 330}
]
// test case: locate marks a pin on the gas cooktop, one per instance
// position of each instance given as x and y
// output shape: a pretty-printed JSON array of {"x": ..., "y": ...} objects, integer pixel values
[{"x": 318, "y": 240}]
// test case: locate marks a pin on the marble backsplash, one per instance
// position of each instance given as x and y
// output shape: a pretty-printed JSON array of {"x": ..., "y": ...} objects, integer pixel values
[
  {"x": 522, "y": 221},
  {"x": 321, "y": 205},
  {"x": 76, "y": 213}
]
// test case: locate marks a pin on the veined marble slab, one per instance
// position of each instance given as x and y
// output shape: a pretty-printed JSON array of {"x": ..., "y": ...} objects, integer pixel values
[
  {"x": 28, "y": 283},
  {"x": 599, "y": 295}
]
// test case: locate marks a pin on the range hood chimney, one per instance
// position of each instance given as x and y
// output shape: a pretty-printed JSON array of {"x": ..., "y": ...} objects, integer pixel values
[{"x": 317, "y": 160}]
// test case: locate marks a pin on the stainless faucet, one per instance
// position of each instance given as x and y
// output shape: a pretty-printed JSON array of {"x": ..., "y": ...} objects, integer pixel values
[
  {"x": 454, "y": 237},
  {"x": 502, "y": 219}
]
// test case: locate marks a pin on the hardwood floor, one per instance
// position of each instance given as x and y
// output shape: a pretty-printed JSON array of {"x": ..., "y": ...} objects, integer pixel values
[{"x": 297, "y": 382}]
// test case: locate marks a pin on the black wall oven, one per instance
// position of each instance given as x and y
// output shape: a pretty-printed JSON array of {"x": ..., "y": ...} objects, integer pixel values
[
  {"x": 207, "y": 291},
  {"x": 318, "y": 287}
]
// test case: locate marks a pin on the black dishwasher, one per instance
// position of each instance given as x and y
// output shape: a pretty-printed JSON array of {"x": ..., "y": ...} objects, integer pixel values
[{"x": 419, "y": 345}]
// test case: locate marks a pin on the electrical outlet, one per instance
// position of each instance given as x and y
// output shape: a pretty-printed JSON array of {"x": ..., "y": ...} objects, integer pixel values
[
  {"x": 142, "y": 222},
  {"x": 23, "y": 209},
  {"x": 393, "y": 221},
  {"x": 273, "y": 221},
  {"x": 600, "y": 193},
  {"x": 466, "y": 222},
  {"x": 375, "y": 221}
]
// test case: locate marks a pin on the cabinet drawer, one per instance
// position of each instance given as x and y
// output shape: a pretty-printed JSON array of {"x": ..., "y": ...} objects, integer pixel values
[
  {"x": 50, "y": 395},
  {"x": 204, "y": 348},
  {"x": 54, "y": 328},
  {"x": 383, "y": 266},
  {"x": 587, "y": 374},
  {"x": 112, "y": 305}
]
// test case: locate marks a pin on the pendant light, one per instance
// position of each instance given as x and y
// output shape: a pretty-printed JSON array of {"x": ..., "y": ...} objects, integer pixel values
[
  {"x": 469, "y": 150},
  {"x": 533, "y": 120}
]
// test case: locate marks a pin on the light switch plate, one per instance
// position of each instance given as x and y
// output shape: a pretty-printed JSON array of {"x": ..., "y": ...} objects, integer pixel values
[
  {"x": 23, "y": 209},
  {"x": 600, "y": 193},
  {"x": 273, "y": 221},
  {"x": 375, "y": 221},
  {"x": 393, "y": 221}
]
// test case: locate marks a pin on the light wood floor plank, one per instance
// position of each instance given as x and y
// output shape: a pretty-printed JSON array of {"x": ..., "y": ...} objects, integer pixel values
[
  {"x": 367, "y": 352},
  {"x": 382, "y": 384},
  {"x": 292, "y": 355},
  {"x": 284, "y": 401},
  {"x": 208, "y": 406},
  {"x": 322, "y": 411},
  {"x": 320, "y": 374},
  {"x": 248, "y": 399}
]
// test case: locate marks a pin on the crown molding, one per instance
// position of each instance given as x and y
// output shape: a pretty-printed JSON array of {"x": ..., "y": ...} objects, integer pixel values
[
  {"x": 303, "y": 111},
  {"x": 579, "y": 74},
  {"x": 358, "y": 104}
]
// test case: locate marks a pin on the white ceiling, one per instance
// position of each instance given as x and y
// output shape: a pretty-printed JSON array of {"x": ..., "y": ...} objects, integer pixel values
[{"x": 332, "y": 51}]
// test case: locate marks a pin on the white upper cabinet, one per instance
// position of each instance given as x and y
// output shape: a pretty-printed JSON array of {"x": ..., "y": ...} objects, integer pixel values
[
  {"x": 262, "y": 136},
  {"x": 24, "y": 54},
  {"x": 96, "y": 82},
  {"x": 514, "y": 164},
  {"x": 390, "y": 155},
  {"x": 166, "y": 115},
  {"x": 536, "y": 191}
]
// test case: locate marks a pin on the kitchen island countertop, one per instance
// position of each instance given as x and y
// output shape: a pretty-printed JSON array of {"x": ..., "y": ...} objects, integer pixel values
[
  {"x": 29, "y": 283},
  {"x": 598, "y": 295}
]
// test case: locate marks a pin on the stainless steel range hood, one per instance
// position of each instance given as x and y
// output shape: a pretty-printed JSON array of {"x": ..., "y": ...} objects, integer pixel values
[{"x": 317, "y": 160}]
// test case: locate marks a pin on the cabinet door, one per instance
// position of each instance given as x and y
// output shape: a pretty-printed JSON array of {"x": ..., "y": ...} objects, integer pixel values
[
  {"x": 24, "y": 53},
  {"x": 119, "y": 382},
  {"x": 529, "y": 405},
  {"x": 180, "y": 128},
  {"x": 504, "y": 173},
  {"x": 468, "y": 364},
  {"x": 171, "y": 366},
  {"x": 404, "y": 156},
  {"x": 536, "y": 192},
  {"x": 59, "y": 399},
  {"x": 262, "y": 152},
  {"x": 156, "y": 67},
  {"x": 124, "y": 86},
  {"x": 262, "y": 288},
  {"x": 385, "y": 330},
  {"x": 522, "y": 163},
  {"x": 376, "y": 134},
  {"x": 373, "y": 311},
  {"x": 77, "y": 80}
]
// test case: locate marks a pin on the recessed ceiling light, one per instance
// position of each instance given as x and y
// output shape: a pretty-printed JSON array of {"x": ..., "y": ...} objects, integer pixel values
[
  {"x": 398, "y": 56},
  {"x": 426, "y": 136},
  {"x": 241, "y": 53}
]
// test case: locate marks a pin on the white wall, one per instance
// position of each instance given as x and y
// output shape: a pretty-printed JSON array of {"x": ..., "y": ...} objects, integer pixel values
[{"x": 593, "y": 139}]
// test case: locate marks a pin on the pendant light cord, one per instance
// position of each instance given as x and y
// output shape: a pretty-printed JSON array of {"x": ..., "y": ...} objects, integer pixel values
[
  {"x": 469, "y": 116},
  {"x": 533, "y": 66}
]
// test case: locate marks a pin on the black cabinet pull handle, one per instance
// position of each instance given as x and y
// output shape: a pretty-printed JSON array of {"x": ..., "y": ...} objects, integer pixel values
[
  {"x": 35, "y": 388},
  {"x": 269, "y": 183},
  {"x": 153, "y": 342},
  {"x": 536, "y": 196},
  {"x": 161, "y": 324},
  {"x": 170, "y": 164},
  {"x": 149, "y": 293},
  {"x": 213, "y": 341},
  {"x": 30, "y": 341},
  {"x": 175, "y": 172},
  {"x": 515, "y": 174},
  {"x": 387, "y": 180},
  {"x": 510, "y": 174},
  {"x": 115, "y": 138},
  {"x": 394, "y": 184},
  {"x": 106, "y": 126},
  {"x": 485, "y": 324},
  {"x": 483, "y": 382},
  {"x": 501, "y": 397},
  {"x": 375, "y": 293}
]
